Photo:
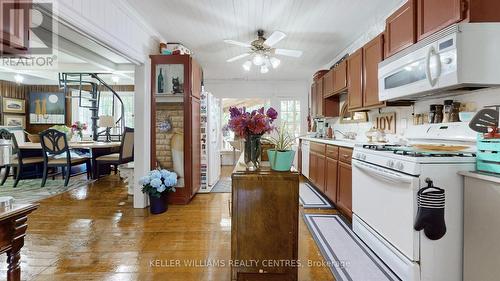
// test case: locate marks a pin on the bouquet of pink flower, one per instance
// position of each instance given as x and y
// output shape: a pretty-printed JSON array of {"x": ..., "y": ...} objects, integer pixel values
[
  {"x": 79, "y": 127},
  {"x": 257, "y": 122}
]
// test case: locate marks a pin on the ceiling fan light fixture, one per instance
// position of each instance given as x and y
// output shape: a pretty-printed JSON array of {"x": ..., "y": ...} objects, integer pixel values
[
  {"x": 264, "y": 69},
  {"x": 258, "y": 59},
  {"x": 247, "y": 65},
  {"x": 274, "y": 62}
]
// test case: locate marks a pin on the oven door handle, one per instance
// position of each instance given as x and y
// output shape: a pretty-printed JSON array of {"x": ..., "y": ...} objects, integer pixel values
[{"x": 382, "y": 173}]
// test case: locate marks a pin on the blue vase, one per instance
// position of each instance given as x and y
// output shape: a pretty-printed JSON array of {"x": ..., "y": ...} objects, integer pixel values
[
  {"x": 158, "y": 205},
  {"x": 281, "y": 160}
]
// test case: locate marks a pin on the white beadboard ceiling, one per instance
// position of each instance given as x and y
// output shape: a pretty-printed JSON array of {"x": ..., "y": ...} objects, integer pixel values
[{"x": 321, "y": 28}]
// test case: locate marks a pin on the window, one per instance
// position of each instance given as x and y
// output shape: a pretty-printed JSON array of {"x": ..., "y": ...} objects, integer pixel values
[
  {"x": 83, "y": 114},
  {"x": 290, "y": 115}
]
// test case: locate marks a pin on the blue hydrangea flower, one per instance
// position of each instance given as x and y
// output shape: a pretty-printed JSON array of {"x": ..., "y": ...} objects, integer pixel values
[
  {"x": 164, "y": 173},
  {"x": 144, "y": 180},
  {"x": 155, "y": 183},
  {"x": 161, "y": 188},
  {"x": 171, "y": 180},
  {"x": 155, "y": 174}
]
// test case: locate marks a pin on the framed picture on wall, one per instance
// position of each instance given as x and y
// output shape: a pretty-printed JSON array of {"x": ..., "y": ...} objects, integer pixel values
[
  {"x": 10, "y": 105},
  {"x": 14, "y": 120},
  {"x": 47, "y": 108}
]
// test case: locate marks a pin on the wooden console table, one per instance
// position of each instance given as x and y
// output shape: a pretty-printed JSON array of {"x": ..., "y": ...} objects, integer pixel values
[
  {"x": 13, "y": 225},
  {"x": 265, "y": 216}
]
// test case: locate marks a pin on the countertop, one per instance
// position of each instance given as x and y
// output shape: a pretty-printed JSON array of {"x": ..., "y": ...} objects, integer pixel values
[
  {"x": 343, "y": 143},
  {"x": 481, "y": 176}
]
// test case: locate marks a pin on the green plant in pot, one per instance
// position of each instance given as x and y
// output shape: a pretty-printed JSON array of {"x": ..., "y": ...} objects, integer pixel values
[{"x": 281, "y": 156}]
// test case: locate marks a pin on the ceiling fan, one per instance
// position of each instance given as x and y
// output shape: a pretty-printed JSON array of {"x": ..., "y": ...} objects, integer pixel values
[{"x": 262, "y": 51}]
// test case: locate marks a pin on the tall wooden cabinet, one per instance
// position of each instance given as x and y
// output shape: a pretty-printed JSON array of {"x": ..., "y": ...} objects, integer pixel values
[
  {"x": 373, "y": 53},
  {"x": 175, "y": 121}
]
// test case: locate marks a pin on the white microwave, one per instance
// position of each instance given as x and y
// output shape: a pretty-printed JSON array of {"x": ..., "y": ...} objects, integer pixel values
[{"x": 460, "y": 57}]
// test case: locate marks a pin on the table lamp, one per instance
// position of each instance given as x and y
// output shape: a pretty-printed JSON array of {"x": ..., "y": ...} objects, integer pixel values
[{"x": 108, "y": 122}]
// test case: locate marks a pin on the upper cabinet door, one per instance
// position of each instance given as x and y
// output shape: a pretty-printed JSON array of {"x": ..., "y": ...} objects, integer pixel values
[
  {"x": 400, "y": 29},
  {"x": 340, "y": 77},
  {"x": 319, "y": 97},
  {"x": 328, "y": 83},
  {"x": 355, "y": 80},
  {"x": 313, "y": 100},
  {"x": 434, "y": 15},
  {"x": 373, "y": 53}
]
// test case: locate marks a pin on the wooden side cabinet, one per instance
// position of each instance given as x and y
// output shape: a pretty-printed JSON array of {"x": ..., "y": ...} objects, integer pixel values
[
  {"x": 344, "y": 197},
  {"x": 400, "y": 29},
  {"x": 373, "y": 53},
  {"x": 264, "y": 224},
  {"x": 355, "y": 80}
]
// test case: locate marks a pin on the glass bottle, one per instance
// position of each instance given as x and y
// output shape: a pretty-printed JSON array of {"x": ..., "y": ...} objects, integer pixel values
[{"x": 161, "y": 84}]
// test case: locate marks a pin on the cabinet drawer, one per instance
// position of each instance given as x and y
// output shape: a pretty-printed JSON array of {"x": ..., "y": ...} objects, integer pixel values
[
  {"x": 332, "y": 151},
  {"x": 345, "y": 155},
  {"x": 318, "y": 148}
]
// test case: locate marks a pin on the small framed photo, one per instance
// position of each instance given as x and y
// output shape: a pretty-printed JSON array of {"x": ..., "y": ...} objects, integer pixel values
[
  {"x": 10, "y": 105},
  {"x": 14, "y": 120}
]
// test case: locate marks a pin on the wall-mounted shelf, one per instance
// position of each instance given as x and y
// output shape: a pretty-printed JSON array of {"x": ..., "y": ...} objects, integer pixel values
[{"x": 169, "y": 98}]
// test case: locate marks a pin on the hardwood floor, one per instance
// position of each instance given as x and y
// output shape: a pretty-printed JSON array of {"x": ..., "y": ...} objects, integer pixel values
[{"x": 93, "y": 233}]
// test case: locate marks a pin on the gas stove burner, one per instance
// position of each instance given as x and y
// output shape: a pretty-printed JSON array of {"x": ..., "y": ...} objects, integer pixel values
[
  {"x": 431, "y": 154},
  {"x": 381, "y": 147}
]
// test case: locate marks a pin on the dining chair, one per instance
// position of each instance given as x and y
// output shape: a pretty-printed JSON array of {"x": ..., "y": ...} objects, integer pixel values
[
  {"x": 56, "y": 153},
  {"x": 125, "y": 155},
  {"x": 19, "y": 163}
]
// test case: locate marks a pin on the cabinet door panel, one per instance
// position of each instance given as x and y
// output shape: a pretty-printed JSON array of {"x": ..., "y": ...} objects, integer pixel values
[
  {"x": 331, "y": 179},
  {"x": 312, "y": 167},
  {"x": 319, "y": 97},
  {"x": 313, "y": 100},
  {"x": 373, "y": 53},
  {"x": 320, "y": 173},
  {"x": 344, "y": 197},
  {"x": 435, "y": 15},
  {"x": 328, "y": 83},
  {"x": 340, "y": 77},
  {"x": 355, "y": 80},
  {"x": 400, "y": 29}
]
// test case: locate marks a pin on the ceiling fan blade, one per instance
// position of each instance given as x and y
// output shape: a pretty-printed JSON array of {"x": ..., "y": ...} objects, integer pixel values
[
  {"x": 238, "y": 57},
  {"x": 274, "y": 38},
  {"x": 237, "y": 43},
  {"x": 288, "y": 53}
]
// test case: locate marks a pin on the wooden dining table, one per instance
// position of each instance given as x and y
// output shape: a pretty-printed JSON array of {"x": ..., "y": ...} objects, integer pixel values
[{"x": 96, "y": 149}]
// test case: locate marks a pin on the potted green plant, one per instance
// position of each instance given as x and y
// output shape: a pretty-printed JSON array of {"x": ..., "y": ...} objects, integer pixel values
[
  {"x": 157, "y": 184},
  {"x": 281, "y": 156}
]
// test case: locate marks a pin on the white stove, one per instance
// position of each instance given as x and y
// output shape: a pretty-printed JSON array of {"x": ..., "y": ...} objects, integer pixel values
[{"x": 385, "y": 181}]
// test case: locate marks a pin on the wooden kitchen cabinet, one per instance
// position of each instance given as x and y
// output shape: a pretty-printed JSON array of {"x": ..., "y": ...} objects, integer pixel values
[
  {"x": 435, "y": 15},
  {"x": 344, "y": 196},
  {"x": 331, "y": 171},
  {"x": 313, "y": 99},
  {"x": 340, "y": 77},
  {"x": 328, "y": 89},
  {"x": 313, "y": 167},
  {"x": 373, "y": 53},
  {"x": 355, "y": 80},
  {"x": 400, "y": 29},
  {"x": 320, "y": 175},
  {"x": 319, "y": 97}
]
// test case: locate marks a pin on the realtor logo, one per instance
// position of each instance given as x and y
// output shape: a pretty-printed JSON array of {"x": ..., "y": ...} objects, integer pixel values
[{"x": 27, "y": 35}]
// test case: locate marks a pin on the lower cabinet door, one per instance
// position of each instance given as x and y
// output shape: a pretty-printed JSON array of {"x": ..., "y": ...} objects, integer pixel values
[
  {"x": 312, "y": 167},
  {"x": 331, "y": 179},
  {"x": 344, "y": 197},
  {"x": 320, "y": 172}
]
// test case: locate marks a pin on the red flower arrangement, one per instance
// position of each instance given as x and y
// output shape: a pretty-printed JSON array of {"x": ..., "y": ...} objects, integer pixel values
[
  {"x": 79, "y": 127},
  {"x": 257, "y": 122}
]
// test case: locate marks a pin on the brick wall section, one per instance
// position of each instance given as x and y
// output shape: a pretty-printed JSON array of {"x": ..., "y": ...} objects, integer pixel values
[{"x": 163, "y": 148}]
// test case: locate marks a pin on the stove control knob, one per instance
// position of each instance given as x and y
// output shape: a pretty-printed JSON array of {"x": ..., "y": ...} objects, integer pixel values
[
  {"x": 390, "y": 163},
  {"x": 363, "y": 157},
  {"x": 358, "y": 155},
  {"x": 400, "y": 166}
]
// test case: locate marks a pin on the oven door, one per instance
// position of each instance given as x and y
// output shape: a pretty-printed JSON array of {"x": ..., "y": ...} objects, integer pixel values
[{"x": 385, "y": 200}]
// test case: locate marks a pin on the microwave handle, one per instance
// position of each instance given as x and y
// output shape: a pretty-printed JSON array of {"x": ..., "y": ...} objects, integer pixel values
[{"x": 432, "y": 52}]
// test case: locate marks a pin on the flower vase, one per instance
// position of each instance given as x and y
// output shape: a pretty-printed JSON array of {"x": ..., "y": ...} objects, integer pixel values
[
  {"x": 158, "y": 205},
  {"x": 252, "y": 152}
]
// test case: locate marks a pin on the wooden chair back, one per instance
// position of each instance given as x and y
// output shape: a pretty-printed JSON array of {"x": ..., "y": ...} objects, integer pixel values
[
  {"x": 7, "y": 135},
  {"x": 127, "y": 145},
  {"x": 54, "y": 142}
]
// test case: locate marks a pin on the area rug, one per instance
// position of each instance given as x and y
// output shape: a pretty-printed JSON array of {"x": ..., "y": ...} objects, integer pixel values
[
  {"x": 224, "y": 185},
  {"x": 346, "y": 255},
  {"x": 29, "y": 191},
  {"x": 310, "y": 198}
]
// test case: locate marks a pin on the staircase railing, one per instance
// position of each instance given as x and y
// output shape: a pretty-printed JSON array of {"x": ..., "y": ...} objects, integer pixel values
[{"x": 77, "y": 81}]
